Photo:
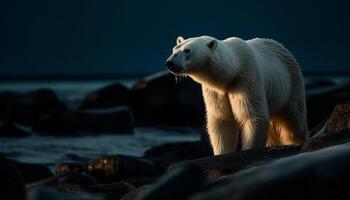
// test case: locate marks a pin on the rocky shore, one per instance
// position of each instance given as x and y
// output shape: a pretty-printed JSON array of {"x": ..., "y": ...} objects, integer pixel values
[{"x": 318, "y": 169}]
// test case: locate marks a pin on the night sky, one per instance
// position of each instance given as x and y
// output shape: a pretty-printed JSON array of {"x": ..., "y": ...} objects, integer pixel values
[{"x": 126, "y": 38}]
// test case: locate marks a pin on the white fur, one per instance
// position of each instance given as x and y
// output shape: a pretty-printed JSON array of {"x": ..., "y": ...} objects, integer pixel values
[{"x": 253, "y": 88}]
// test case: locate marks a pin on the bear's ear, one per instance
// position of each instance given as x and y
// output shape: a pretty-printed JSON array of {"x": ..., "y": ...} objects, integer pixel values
[
  {"x": 179, "y": 40},
  {"x": 212, "y": 44}
]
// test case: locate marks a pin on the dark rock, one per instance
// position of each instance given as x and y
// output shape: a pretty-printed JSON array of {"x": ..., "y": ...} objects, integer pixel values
[
  {"x": 63, "y": 168},
  {"x": 166, "y": 154},
  {"x": 336, "y": 130},
  {"x": 9, "y": 129},
  {"x": 32, "y": 172},
  {"x": 115, "y": 120},
  {"x": 117, "y": 167},
  {"x": 320, "y": 174},
  {"x": 112, "y": 95},
  {"x": 114, "y": 168},
  {"x": 159, "y": 100},
  {"x": 340, "y": 118},
  {"x": 63, "y": 124},
  {"x": 216, "y": 166},
  {"x": 46, "y": 193},
  {"x": 323, "y": 139},
  {"x": 83, "y": 184},
  {"x": 27, "y": 108},
  {"x": 178, "y": 184},
  {"x": 77, "y": 178},
  {"x": 134, "y": 194},
  {"x": 111, "y": 191},
  {"x": 140, "y": 181},
  {"x": 322, "y": 99},
  {"x": 11, "y": 183}
]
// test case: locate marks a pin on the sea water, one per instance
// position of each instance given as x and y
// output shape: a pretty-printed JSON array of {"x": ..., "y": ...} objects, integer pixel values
[{"x": 51, "y": 150}]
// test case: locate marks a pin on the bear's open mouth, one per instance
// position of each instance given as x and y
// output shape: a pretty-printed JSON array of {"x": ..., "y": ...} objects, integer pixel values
[{"x": 176, "y": 69}]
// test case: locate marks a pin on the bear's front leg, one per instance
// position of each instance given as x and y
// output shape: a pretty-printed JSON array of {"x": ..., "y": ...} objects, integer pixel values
[
  {"x": 222, "y": 127},
  {"x": 252, "y": 113},
  {"x": 223, "y": 134}
]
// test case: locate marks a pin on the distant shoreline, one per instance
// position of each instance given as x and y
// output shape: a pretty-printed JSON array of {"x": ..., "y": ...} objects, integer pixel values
[{"x": 58, "y": 77}]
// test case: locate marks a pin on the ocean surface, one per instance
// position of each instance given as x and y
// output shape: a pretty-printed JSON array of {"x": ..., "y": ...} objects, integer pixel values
[{"x": 50, "y": 151}]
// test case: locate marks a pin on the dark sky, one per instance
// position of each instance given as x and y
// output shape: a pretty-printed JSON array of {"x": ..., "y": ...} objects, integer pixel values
[{"x": 109, "y": 37}]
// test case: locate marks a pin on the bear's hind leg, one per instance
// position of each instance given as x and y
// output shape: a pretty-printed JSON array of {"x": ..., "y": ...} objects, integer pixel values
[{"x": 293, "y": 125}]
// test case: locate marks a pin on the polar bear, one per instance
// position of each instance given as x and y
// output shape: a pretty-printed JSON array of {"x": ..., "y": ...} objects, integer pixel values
[{"x": 253, "y": 90}]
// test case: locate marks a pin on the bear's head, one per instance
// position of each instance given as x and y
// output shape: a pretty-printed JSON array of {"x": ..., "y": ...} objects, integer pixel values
[
  {"x": 190, "y": 56},
  {"x": 205, "y": 59}
]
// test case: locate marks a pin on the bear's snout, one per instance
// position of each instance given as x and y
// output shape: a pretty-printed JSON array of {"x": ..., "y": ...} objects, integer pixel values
[{"x": 173, "y": 67}]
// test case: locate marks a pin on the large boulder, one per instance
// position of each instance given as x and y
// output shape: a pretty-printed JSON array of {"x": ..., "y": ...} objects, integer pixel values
[
  {"x": 27, "y": 108},
  {"x": 111, "y": 95},
  {"x": 320, "y": 174},
  {"x": 216, "y": 166},
  {"x": 114, "y": 120},
  {"x": 161, "y": 100}
]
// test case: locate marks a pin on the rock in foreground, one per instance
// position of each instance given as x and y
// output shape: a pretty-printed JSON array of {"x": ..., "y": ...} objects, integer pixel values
[
  {"x": 316, "y": 175},
  {"x": 114, "y": 168}
]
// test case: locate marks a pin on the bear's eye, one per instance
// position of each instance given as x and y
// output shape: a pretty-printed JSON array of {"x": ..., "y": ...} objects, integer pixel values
[{"x": 187, "y": 50}]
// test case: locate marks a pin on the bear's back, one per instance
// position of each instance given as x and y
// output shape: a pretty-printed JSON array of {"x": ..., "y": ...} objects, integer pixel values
[{"x": 275, "y": 63}]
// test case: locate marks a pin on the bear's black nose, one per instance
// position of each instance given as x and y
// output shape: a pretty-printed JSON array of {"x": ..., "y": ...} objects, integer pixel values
[
  {"x": 169, "y": 63},
  {"x": 172, "y": 67}
]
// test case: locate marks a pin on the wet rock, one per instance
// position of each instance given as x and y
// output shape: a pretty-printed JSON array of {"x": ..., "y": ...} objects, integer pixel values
[
  {"x": 11, "y": 183},
  {"x": 160, "y": 100},
  {"x": 27, "y": 108},
  {"x": 178, "y": 184},
  {"x": 216, "y": 166},
  {"x": 114, "y": 120},
  {"x": 340, "y": 118},
  {"x": 320, "y": 174},
  {"x": 112, "y": 95},
  {"x": 9, "y": 129},
  {"x": 114, "y": 168},
  {"x": 166, "y": 154}
]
